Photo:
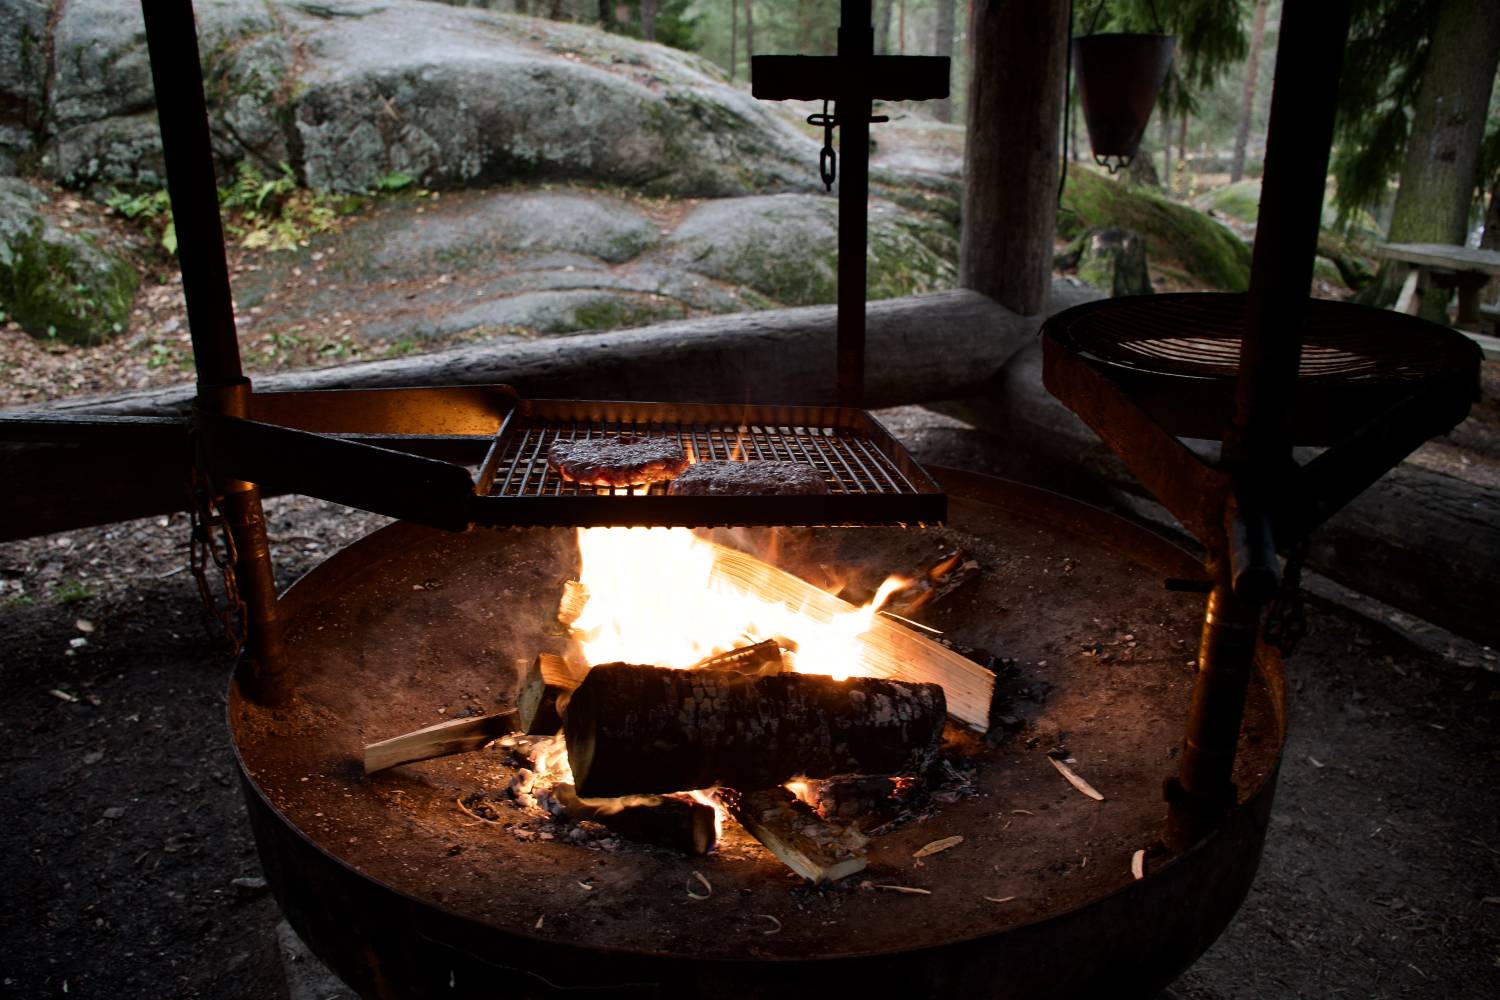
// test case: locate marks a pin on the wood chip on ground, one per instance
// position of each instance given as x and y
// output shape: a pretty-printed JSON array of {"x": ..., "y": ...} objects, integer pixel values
[{"x": 1075, "y": 780}]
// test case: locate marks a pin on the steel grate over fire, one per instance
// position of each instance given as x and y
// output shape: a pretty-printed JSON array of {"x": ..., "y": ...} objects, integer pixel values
[{"x": 870, "y": 477}]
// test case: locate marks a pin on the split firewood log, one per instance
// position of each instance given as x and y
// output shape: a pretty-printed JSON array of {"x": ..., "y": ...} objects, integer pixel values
[
  {"x": 442, "y": 740},
  {"x": 812, "y": 847},
  {"x": 543, "y": 697}
]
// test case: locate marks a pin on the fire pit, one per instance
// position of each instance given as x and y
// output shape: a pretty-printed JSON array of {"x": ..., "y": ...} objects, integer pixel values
[{"x": 403, "y": 892}]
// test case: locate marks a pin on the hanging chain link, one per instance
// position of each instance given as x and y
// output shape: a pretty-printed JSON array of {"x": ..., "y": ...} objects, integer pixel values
[
  {"x": 828, "y": 160},
  {"x": 1286, "y": 622},
  {"x": 207, "y": 521}
]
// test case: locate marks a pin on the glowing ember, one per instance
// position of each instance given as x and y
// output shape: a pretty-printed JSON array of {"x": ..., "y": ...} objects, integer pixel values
[
  {"x": 655, "y": 597},
  {"x": 549, "y": 757}
]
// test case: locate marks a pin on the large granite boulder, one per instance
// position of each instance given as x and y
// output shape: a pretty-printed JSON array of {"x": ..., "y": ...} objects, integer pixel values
[
  {"x": 351, "y": 91},
  {"x": 23, "y": 76}
]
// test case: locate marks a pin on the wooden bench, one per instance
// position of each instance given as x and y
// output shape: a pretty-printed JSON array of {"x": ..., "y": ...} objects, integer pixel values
[{"x": 1440, "y": 265}]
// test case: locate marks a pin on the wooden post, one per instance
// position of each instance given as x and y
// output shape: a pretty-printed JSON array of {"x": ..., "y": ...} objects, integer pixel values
[{"x": 1011, "y": 162}]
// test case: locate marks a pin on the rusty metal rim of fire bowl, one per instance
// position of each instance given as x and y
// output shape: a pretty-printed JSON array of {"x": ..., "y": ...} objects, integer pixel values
[{"x": 1131, "y": 941}]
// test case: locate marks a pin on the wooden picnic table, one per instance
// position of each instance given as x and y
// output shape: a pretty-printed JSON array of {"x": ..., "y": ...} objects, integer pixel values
[{"x": 1442, "y": 265}]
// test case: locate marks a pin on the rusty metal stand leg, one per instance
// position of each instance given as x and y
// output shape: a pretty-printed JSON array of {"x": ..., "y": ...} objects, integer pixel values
[
  {"x": 1203, "y": 792},
  {"x": 177, "y": 74},
  {"x": 1257, "y": 448}
]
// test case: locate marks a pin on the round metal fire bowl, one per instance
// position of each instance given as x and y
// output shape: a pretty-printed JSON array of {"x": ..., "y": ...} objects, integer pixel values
[{"x": 419, "y": 930}]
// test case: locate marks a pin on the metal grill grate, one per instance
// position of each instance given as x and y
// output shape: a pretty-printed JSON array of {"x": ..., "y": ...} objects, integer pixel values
[{"x": 870, "y": 478}]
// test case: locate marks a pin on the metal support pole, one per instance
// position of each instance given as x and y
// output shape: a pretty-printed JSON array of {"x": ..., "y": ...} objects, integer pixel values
[
  {"x": 856, "y": 40},
  {"x": 1309, "y": 57},
  {"x": 172, "y": 39},
  {"x": 1257, "y": 448}
]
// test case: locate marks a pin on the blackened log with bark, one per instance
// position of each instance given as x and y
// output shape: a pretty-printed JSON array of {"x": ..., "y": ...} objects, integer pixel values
[
  {"x": 634, "y": 729},
  {"x": 670, "y": 821}
]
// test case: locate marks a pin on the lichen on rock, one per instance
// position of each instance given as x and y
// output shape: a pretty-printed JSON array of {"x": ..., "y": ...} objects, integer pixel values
[{"x": 56, "y": 282}]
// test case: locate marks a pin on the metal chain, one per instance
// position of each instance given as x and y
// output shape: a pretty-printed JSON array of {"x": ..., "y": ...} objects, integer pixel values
[
  {"x": 828, "y": 160},
  {"x": 1286, "y": 622},
  {"x": 206, "y": 518}
]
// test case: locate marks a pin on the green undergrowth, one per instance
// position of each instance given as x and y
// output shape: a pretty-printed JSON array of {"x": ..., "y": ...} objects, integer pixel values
[{"x": 259, "y": 211}]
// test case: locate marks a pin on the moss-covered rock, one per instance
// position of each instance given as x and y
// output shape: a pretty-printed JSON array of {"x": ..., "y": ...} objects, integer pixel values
[
  {"x": 786, "y": 248},
  {"x": 56, "y": 282},
  {"x": 1240, "y": 200},
  {"x": 1176, "y": 235}
]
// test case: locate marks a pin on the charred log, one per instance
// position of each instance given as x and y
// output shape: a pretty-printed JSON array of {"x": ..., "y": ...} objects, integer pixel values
[
  {"x": 634, "y": 729},
  {"x": 862, "y": 801},
  {"x": 671, "y": 821},
  {"x": 812, "y": 847}
]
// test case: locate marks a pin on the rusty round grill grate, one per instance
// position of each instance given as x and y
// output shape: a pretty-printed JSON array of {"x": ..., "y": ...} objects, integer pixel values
[{"x": 1198, "y": 336}]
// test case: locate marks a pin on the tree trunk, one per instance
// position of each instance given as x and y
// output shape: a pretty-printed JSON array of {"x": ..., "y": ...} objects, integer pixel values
[
  {"x": 883, "y": 28},
  {"x": 749, "y": 31},
  {"x": 1247, "y": 95},
  {"x": 1491, "y": 238},
  {"x": 734, "y": 41},
  {"x": 606, "y": 14},
  {"x": 943, "y": 46},
  {"x": 648, "y": 20},
  {"x": 1011, "y": 158},
  {"x": 1180, "y": 184},
  {"x": 901, "y": 29},
  {"x": 1438, "y": 175},
  {"x": 1164, "y": 126}
]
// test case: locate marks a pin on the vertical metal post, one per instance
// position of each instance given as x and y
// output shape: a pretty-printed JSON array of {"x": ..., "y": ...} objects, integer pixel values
[
  {"x": 856, "y": 40},
  {"x": 1309, "y": 57},
  {"x": 1257, "y": 448},
  {"x": 177, "y": 74}
]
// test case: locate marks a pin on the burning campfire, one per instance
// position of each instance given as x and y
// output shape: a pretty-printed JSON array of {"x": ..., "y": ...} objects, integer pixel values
[{"x": 700, "y": 683}]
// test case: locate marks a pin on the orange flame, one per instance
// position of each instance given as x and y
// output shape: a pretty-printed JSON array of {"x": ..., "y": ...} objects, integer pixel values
[{"x": 654, "y": 597}]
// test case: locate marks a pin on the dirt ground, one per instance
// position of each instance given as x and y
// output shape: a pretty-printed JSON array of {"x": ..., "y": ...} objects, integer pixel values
[{"x": 130, "y": 869}]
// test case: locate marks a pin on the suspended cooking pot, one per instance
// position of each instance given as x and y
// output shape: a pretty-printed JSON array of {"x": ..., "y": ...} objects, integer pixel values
[{"x": 1119, "y": 78}]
